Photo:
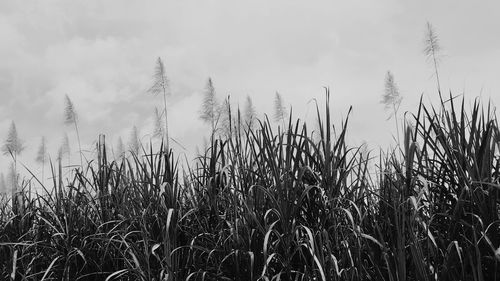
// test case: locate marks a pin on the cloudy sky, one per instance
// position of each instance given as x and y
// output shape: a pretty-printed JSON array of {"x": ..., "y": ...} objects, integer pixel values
[{"x": 102, "y": 54}]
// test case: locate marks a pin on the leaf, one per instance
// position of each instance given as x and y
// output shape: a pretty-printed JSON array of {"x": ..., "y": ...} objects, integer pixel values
[
  {"x": 49, "y": 268},
  {"x": 116, "y": 274},
  {"x": 14, "y": 266},
  {"x": 170, "y": 214},
  {"x": 371, "y": 238},
  {"x": 153, "y": 250},
  {"x": 335, "y": 265}
]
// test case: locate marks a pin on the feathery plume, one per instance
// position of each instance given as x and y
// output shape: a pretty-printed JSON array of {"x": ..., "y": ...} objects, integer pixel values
[
  {"x": 209, "y": 112},
  {"x": 40, "y": 156},
  {"x": 70, "y": 118},
  {"x": 224, "y": 111},
  {"x": 391, "y": 98},
  {"x": 250, "y": 112},
  {"x": 160, "y": 81},
  {"x": 161, "y": 86},
  {"x": 42, "y": 151},
  {"x": 279, "y": 108},
  {"x": 12, "y": 144},
  {"x": 432, "y": 51},
  {"x": 134, "y": 145},
  {"x": 69, "y": 111}
]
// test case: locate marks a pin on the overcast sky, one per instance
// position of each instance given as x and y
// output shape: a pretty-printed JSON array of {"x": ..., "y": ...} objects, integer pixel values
[{"x": 102, "y": 54}]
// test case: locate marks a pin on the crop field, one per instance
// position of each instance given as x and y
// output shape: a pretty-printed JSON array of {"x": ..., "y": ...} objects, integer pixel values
[
  {"x": 267, "y": 202},
  {"x": 345, "y": 140}
]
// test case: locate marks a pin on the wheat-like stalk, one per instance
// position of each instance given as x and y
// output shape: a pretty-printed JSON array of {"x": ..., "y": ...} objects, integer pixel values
[
  {"x": 42, "y": 151},
  {"x": 279, "y": 109},
  {"x": 250, "y": 112},
  {"x": 159, "y": 128},
  {"x": 71, "y": 118},
  {"x": 134, "y": 143},
  {"x": 12, "y": 145},
  {"x": 41, "y": 155},
  {"x": 392, "y": 98},
  {"x": 209, "y": 112},
  {"x": 161, "y": 86},
  {"x": 224, "y": 111},
  {"x": 432, "y": 51}
]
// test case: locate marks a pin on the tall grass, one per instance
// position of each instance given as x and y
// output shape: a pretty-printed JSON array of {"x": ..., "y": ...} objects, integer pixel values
[{"x": 273, "y": 203}]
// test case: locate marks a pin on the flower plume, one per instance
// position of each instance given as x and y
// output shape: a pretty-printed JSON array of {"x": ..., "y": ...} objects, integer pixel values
[
  {"x": 42, "y": 151},
  {"x": 160, "y": 81},
  {"x": 250, "y": 112},
  {"x": 279, "y": 108},
  {"x": 134, "y": 145},
  {"x": 209, "y": 112},
  {"x": 12, "y": 144},
  {"x": 391, "y": 97},
  {"x": 69, "y": 111}
]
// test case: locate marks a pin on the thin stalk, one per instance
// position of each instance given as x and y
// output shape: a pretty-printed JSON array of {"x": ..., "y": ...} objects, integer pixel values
[
  {"x": 436, "y": 71},
  {"x": 14, "y": 186},
  {"x": 79, "y": 144},
  {"x": 396, "y": 120},
  {"x": 165, "y": 110},
  {"x": 166, "y": 118},
  {"x": 43, "y": 168}
]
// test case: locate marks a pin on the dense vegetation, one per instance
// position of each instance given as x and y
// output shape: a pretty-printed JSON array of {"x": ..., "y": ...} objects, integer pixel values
[{"x": 272, "y": 204}]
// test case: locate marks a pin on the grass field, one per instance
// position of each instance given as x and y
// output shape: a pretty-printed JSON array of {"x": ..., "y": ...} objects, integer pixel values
[{"x": 272, "y": 203}]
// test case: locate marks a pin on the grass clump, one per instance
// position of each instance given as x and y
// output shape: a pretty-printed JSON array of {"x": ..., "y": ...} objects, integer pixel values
[{"x": 267, "y": 203}]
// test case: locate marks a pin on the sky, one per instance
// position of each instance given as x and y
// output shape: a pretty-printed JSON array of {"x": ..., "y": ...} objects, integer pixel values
[{"x": 102, "y": 54}]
